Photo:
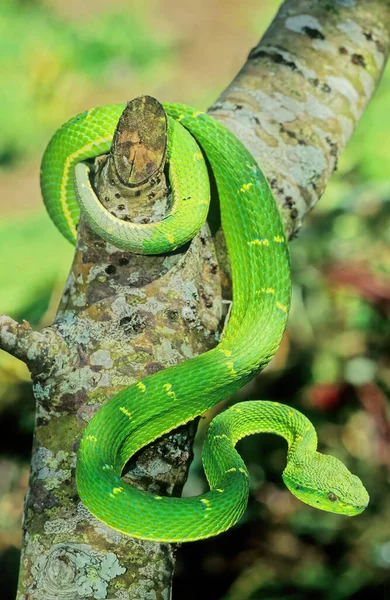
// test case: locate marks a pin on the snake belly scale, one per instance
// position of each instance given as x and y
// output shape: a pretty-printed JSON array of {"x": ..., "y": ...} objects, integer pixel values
[{"x": 144, "y": 411}]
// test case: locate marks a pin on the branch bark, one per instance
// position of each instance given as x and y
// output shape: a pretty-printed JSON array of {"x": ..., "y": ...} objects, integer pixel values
[
  {"x": 294, "y": 104},
  {"x": 302, "y": 91}
]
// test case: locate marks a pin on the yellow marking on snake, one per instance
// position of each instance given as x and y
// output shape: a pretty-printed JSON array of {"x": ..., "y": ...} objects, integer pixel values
[
  {"x": 170, "y": 238},
  {"x": 266, "y": 291},
  {"x": 141, "y": 386},
  {"x": 225, "y": 352},
  {"x": 230, "y": 366},
  {"x": 91, "y": 438},
  {"x": 206, "y": 503},
  {"x": 243, "y": 471},
  {"x": 158, "y": 498},
  {"x": 245, "y": 187},
  {"x": 278, "y": 239},
  {"x": 116, "y": 491},
  {"x": 125, "y": 411},
  {"x": 281, "y": 307},
  {"x": 221, "y": 435},
  {"x": 198, "y": 156},
  {"x": 258, "y": 242},
  {"x": 168, "y": 387},
  {"x": 197, "y": 113},
  {"x": 219, "y": 490},
  {"x": 232, "y": 470}
]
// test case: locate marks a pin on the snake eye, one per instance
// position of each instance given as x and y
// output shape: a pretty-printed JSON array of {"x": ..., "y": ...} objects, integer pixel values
[{"x": 332, "y": 497}]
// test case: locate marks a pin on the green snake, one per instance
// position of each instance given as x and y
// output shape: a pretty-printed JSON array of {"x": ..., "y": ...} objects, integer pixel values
[{"x": 149, "y": 408}]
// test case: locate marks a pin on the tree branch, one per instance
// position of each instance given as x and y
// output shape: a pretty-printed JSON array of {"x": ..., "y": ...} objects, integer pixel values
[
  {"x": 300, "y": 95},
  {"x": 122, "y": 317},
  {"x": 41, "y": 351}
]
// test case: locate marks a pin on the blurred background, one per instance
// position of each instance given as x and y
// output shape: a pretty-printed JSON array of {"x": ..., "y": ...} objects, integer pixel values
[{"x": 59, "y": 58}]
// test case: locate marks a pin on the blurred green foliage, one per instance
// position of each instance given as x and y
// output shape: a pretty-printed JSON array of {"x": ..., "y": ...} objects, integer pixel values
[
  {"x": 48, "y": 61},
  {"x": 334, "y": 363},
  {"x": 33, "y": 247}
]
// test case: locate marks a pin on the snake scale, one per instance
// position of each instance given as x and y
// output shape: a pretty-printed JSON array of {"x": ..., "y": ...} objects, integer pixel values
[{"x": 144, "y": 411}]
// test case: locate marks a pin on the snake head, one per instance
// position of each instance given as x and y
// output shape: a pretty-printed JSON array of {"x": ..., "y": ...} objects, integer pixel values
[{"x": 325, "y": 483}]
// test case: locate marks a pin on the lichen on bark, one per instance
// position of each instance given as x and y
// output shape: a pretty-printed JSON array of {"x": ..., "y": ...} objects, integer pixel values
[
  {"x": 298, "y": 98},
  {"x": 120, "y": 319},
  {"x": 294, "y": 104}
]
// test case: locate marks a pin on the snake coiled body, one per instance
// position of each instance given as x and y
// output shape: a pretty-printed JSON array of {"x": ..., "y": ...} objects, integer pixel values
[{"x": 144, "y": 411}]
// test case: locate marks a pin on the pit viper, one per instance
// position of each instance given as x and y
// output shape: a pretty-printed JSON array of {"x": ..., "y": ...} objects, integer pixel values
[{"x": 142, "y": 412}]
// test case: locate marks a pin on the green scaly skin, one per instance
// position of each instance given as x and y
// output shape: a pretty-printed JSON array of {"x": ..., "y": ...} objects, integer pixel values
[
  {"x": 89, "y": 135},
  {"x": 146, "y": 410}
]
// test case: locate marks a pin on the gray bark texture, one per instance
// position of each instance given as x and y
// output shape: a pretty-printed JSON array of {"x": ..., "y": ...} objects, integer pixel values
[{"x": 294, "y": 104}]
